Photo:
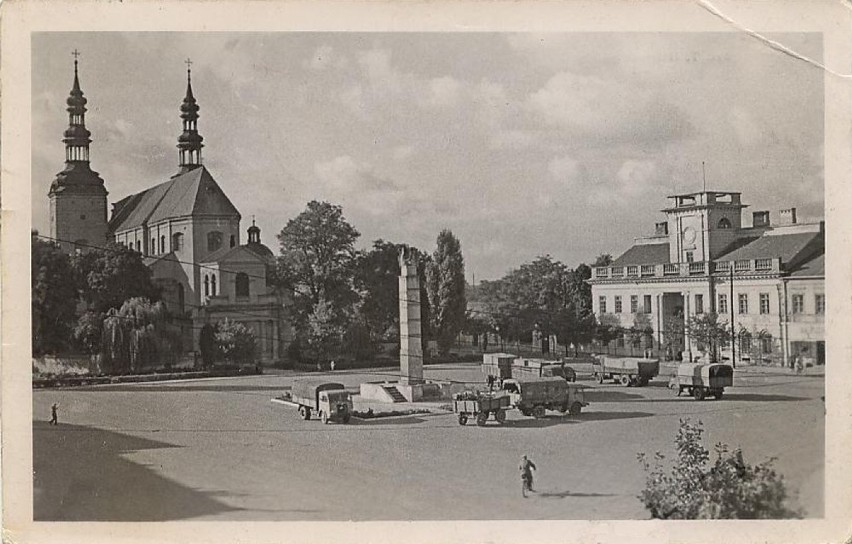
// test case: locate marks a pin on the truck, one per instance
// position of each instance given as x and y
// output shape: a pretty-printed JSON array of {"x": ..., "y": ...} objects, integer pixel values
[
  {"x": 329, "y": 400},
  {"x": 635, "y": 371},
  {"x": 497, "y": 365},
  {"x": 542, "y": 368},
  {"x": 534, "y": 396},
  {"x": 702, "y": 380}
]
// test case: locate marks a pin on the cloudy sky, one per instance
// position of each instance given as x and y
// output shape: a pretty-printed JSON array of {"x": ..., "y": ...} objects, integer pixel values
[{"x": 521, "y": 144}]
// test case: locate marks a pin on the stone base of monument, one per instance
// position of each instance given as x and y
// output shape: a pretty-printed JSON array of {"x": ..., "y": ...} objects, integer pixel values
[{"x": 404, "y": 392}]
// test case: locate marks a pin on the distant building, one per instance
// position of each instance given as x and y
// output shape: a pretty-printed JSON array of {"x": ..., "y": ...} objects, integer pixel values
[
  {"x": 685, "y": 269},
  {"x": 187, "y": 229}
]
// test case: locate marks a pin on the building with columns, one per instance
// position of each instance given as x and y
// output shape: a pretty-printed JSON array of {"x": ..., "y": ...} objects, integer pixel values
[
  {"x": 769, "y": 276},
  {"x": 187, "y": 229}
]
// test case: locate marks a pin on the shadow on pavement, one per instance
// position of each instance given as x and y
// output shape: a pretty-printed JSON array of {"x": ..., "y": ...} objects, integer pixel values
[
  {"x": 594, "y": 395},
  {"x": 79, "y": 475},
  {"x": 729, "y": 396},
  {"x": 400, "y": 420},
  {"x": 147, "y": 388},
  {"x": 565, "y": 494}
]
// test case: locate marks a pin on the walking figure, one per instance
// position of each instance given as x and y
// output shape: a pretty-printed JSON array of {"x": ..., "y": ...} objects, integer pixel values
[
  {"x": 332, "y": 366},
  {"x": 53, "y": 414},
  {"x": 526, "y": 469}
]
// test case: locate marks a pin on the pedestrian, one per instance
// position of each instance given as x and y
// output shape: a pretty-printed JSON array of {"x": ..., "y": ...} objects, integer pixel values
[
  {"x": 526, "y": 467},
  {"x": 490, "y": 382},
  {"x": 54, "y": 414},
  {"x": 332, "y": 366}
]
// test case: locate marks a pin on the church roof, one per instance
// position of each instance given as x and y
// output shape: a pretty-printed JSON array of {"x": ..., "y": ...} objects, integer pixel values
[
  {"x": 644, "y": 254},
  {"x": 231, "y": 253},
  {"x": 192, "y": 193}
]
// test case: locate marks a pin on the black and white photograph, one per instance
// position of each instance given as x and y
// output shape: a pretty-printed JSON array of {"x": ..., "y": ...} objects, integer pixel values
[{"x": 439, "y": 275}]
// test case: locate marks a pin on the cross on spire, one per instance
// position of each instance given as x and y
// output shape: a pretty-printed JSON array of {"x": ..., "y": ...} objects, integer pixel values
[
  {"x": 75, "y": 54},
  {"x": 188, "y": 63}
]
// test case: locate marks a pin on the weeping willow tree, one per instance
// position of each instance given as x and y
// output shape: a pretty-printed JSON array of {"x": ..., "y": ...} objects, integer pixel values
[{"x": 138, "y": 335}]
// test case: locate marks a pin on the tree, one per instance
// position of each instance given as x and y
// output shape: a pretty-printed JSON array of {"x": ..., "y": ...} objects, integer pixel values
[
  {"x": 604, "y": 259},
  {"x": 108, "y": 277},
  {"x": 446, "y": 289},
  {"x": 236, "y": 342},
  {"x": 317, "y": 262},
  {"x": 729, "y": 488},
  {"x": 137, "y": 335},
  {"x": 54, "y": 297},
  {"x": 89, "y": 332},
  {"x": 709, "y": 333}
]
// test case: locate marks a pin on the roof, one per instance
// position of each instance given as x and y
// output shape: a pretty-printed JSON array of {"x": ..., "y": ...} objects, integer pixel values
[
  {"x": 644, "y": 254},
  {"x": 228, "y": 253},
  {"x": 192, "y": 193},
  {"x": 812, "y": 268},
  {"x": 789, "y": 247}
]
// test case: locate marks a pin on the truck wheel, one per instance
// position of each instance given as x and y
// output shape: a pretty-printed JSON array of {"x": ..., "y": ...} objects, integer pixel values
[
  {"x": 462, "y": 419},
  {"x": 324, "y": 417},
  {"x": 718, "y": 394},
  {"x": 563, "y": 407},
  {"x": 500, "y": 416},
  {"x": 481, "y": 418},
  {"x": 599, "y": 377},
  {"x": 538, "y": 412},
  {"x": 698, "y": 393},
  {"x": 575, "y": 409},
  {"x": 305, "y": 412},
  {"x": 347, "y": 417},
  {"x": 625, "y": 380}
]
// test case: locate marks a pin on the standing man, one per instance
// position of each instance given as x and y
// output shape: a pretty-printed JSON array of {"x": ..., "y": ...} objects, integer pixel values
[
  {"x": 526, "y": 469},
  {"x": 53, "y": 414}
]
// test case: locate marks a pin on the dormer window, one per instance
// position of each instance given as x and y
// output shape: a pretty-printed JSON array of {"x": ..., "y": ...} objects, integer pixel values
[{"x": 724, "y": 223}]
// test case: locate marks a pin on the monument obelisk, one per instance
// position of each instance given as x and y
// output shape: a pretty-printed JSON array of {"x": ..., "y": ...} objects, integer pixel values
[{"x": 410, "y": 347}]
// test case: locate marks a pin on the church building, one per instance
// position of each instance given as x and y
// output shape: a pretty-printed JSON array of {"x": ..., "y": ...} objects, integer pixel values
[
  {"x": 767, "y": 278},
  {"x": 187, "y": 229}
]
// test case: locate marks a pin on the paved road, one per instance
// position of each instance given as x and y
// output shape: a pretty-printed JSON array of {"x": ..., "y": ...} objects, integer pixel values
[{"x": 219, "y": 449}]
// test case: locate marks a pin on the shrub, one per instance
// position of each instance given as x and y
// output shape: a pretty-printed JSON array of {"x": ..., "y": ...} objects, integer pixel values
[{"x": 729, "y": 488}]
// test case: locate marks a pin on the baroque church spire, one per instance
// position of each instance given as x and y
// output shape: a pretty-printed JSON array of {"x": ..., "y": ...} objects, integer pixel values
[
  {"x": 189, "y": 142},
  {"x": 77, "y": 138}
]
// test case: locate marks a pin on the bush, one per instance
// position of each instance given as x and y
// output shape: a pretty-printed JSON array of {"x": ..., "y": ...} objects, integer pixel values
[{"x": 728, "y": 489}]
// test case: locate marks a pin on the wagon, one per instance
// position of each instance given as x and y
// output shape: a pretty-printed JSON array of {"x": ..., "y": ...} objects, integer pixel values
[
  {"x": 701, "y": 380},
  {"x": 627, "y": 371},
  {"x": 480, "y": 406}
]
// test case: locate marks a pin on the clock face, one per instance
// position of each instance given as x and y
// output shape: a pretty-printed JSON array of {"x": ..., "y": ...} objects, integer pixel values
[{"x": 689, "y": 235}]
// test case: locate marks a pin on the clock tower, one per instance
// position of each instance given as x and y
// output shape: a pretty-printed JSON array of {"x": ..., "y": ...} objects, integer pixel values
[{"x": 701, "y": 225}]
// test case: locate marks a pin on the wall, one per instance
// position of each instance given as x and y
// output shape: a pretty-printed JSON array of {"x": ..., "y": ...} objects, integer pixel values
[{"x": 78, "y": 217}]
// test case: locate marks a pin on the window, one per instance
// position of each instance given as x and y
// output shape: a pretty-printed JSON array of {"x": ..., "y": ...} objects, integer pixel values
[
  {"x": 213, "y": 285},
  {"x": 139, "y": 246},
  {"x": 798, "y": 304},
  {"x": 742, "y": 298},
  {"x": 634, "y": 304},
  {"x": 764, "y": 303},
  {"x": 819, "y": 304},
  {"x": 647, "y": 304},
  {"x": 766, "y": 344},
  {"x": 153, "y": 248},
  {"x": 690, "y": 257},
  {"x": 723, "y": 304},
  {"x": 242, "y": 284},
  {"x": 214, "y": 240},
  {"x": 745, "y": 342},
  {"x": 617, "y": 304},
  {"x": 233, "y": 240},
  {"x": 162, "y": 244},
  {"x": 206, "y": 285},
  {"x": 699, "y": 304},
  {"x": 177, "y": 241},
  {"x": 602, "y": 304},
  {"x": 724, "y": 223}
]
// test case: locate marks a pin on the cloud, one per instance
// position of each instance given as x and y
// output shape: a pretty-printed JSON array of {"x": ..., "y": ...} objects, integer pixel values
[
  {"x": 565, "y": 170},
  {"x": 347, "y": 175},
  {"x": 444, "y": 91},
  {"x": 637, "y": 176},
  {"x": 512, "y": 139},
  {"x": 403, "y": 152}
]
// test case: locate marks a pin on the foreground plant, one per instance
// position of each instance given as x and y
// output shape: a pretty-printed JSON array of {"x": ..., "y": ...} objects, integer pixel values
[{"x": 729, "y": 488}]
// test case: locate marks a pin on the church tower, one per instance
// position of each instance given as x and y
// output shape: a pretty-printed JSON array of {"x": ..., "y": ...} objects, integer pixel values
[
  {"x": 189, "y": 142},
  {"x": 78, "y": 198}
]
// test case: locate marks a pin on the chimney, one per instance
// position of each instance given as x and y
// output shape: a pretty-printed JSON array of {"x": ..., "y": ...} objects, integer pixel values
[
  {"x": 662, "y": 228},
  {"x": 759, "y": 219},
  {"x": 788, "y": 216}
]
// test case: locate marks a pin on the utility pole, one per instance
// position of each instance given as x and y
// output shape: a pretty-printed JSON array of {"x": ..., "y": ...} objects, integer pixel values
[
  {"x": 704, "y": 176},
  {"x": 733, "y": 327}
]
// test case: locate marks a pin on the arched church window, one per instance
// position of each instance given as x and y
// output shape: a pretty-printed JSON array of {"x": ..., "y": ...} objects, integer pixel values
[
  {"x": 724, "y": 223},
  {"x": 206, "y": 285},
  {"x": 153, "y": 248},
  {"x": 242, "y": 284},
  {"x": 213, "y": 282},
  {"x": 162, "y": 244},
  {"x": 214, "y": 240},
  {"x": 139, "y": 246},
  {"x": 177, "y": 241},
  {"x": 233, "y": 240},
  {"x": 181, "y": 298}
]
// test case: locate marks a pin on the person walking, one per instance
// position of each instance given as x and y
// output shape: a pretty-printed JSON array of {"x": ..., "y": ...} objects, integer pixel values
[
  {"x": 54, "y": 414},
  {"x": 526, "y": 467}
]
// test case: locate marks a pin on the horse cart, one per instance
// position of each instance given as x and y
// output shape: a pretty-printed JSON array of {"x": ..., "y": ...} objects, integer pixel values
[
  {"x": 480, "y": 406},
  {"x": 701, "y": 380}
]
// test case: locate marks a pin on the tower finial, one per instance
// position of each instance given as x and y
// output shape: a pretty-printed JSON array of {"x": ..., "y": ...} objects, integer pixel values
[{"x": 189, "y": 142}]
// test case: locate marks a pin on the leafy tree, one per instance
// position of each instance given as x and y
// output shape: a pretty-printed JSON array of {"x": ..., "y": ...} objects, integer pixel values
[
  {"x": 728, "y": 488},
  {"x": 604, "y": 259},
  {"x": 446, "y": 289},
  {"x": 236, "y": 342},
  {"x": 108, "y": 277},
  {"x": 54, "y": 297},
  {"x": 89, "y": 331},
  {"x": 708, "y": 332},
  {"x": 317, "y": 262},
  {"x": 138, "y": 334}
]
